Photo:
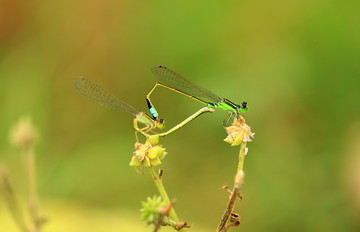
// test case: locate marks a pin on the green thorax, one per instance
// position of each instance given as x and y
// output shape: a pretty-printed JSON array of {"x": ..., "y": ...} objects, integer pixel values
[{"x": 223, "y": 105}]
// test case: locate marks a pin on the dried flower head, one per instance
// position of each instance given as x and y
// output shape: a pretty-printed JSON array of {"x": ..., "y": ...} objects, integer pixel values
[
  {"x": 23, "y": 134},
  {"x": 238, "y": 132}
]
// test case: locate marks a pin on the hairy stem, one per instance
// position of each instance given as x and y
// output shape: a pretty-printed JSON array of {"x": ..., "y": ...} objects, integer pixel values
[{"x": 236, "y": 190}]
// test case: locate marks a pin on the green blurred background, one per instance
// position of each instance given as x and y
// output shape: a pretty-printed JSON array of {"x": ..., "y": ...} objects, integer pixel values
[{"x": 296, "y": 63}]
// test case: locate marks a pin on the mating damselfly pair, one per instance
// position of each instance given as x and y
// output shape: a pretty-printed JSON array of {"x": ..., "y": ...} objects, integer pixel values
[{"x": 170, "y": 80}]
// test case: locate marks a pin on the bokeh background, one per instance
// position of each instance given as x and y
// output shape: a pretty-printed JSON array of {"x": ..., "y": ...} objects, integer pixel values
[{"x": 297, "y": 64}]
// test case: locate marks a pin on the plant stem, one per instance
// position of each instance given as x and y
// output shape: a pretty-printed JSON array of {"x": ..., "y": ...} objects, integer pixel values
[
  {"x": 242, "y": 154},
  {"x": 163, "y": 194},
  {"x": 9, "y": 195},
  {"x": 236, "y": 189},
  {"x": 33, "y": 202}
]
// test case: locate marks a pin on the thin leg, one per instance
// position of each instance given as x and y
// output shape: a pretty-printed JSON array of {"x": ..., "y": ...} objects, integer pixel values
[
  {"x": 136, "y": 136},
  {"x": 227, "y": 119},
  {"x": 143, "y": 130},
  {"x": 148, "y": 129}
]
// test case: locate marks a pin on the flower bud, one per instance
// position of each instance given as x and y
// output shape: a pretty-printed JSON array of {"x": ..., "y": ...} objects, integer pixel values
[
  {"x": 135, "y": 162},
  {"x": 153, "y": 140},
  {"x": 140, "y": 154},
  {"x": 155, "y": 152},
  {"x": 163, "y": 155},
  {"x": 147, "y": 161},
  {"x": 155, "y": 162},
  {"x": 137, "y": 145}
]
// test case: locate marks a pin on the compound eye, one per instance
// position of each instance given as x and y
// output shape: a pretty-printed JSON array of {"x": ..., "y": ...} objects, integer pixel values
[
  {"x": 161, "y": 123},
  {"x": 243, "y": 107}
]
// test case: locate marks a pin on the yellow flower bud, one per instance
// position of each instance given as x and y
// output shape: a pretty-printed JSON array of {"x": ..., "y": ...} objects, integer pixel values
[
  {"x": 155, "y": 152},
  {"x": 155, "y": 162},
  {"x": 147, "y": 161},
  {"x": 140, "y": 154},
  {"x": 163, "y": 155},
  {"x": 153, "y": 140},
  {"x": 135, "y": 162}
]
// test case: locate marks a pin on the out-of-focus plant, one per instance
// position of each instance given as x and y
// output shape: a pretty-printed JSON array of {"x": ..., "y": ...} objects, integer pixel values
[
  {"x": 10, "y": 199},
  {"x": 23, "y": 136}
]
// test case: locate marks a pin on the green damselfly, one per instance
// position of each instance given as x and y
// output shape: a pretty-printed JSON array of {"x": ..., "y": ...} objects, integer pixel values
[
  {"x": 173, "y": 81},
  {"x": 100, "y": 96}
]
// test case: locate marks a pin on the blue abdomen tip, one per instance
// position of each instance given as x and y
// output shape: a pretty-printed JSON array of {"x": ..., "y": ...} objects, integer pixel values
[{"x": 153, "y": 112}]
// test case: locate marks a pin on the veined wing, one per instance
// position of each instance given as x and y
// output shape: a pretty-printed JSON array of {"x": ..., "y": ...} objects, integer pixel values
[
  {"x": 100, "y": 96},
  {"x": 174, "y": 80}
]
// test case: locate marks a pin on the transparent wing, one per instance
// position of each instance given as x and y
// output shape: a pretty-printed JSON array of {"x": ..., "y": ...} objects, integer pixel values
[
  {"x": 100, "y": 96},
  {"x": 174, "y": 80}
]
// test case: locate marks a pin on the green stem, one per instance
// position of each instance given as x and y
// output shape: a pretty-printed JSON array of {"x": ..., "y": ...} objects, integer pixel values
[
  {"x": 169, "y": 222},
  {"x": 163, "y": 194}
]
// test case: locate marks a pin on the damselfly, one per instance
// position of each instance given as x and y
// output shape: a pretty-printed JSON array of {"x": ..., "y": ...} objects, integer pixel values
[{"x": 173, "y": 81}]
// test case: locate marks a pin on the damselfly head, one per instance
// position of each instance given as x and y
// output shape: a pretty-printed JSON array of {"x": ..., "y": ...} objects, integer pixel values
[
  {"x": 160, "y": 123},
  {"x": 242, "y": 107}
]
